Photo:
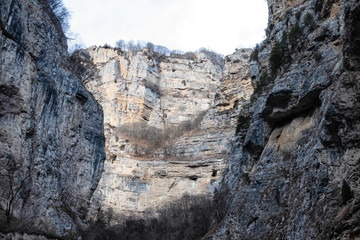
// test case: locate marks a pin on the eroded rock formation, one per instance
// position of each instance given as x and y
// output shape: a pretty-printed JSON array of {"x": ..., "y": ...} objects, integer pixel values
[
  {"x": 297, "y": 176},
  {"x": 169, "y": 122}
]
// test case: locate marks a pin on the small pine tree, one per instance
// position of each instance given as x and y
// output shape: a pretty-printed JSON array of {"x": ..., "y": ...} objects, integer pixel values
[
  {"x": 254, "y": 56},
  {"x": 295, "y": 34},
  {"x": 279, "y": 54}
]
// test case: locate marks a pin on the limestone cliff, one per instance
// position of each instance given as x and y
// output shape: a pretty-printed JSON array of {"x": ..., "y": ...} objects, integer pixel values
[
  {"x": 169, "y": 121},
  {"x": 296, "y": 172},
  {"x": 51, "y": 135},
  {"x": 275, "y": 130}
]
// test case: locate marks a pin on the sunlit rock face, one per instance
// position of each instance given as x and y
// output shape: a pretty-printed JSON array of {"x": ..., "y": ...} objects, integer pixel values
[
  {"x": 296, "y": 173},
  {"x": 169, "y": 123},
  {"x": 51, "y": 127}
]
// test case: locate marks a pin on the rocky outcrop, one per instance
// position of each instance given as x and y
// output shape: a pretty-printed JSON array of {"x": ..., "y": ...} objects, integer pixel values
[
  {"x": 298, "y": 173},
  {"x": 51, "y": 137},
  {"x": 169, "y": 121}
]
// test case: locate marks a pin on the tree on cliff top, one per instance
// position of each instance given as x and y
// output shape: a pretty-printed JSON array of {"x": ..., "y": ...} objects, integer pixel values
[{"x": 61, "y": 13}]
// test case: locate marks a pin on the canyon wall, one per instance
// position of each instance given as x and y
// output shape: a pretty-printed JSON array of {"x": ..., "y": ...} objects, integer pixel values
[
  {"x": 295, "y": 173},
  {"x": 275, "y": 130},
  {"x": 51, "y": 127},
  {"x": 169, "y": 121}
]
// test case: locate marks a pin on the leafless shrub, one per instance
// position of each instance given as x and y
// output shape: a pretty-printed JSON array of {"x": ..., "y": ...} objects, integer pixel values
[
  {"x": 220, "y": 204},
  {"x": 82, "y": 66},
  {"x": 61, "y": 13},
  {"x": 181, "y": 55},
  {"x": 216, "y": 59},
  {"x": 188, "y": 218},
  {"x": 155, "y": 137},
  {"x": 13, "y": 182}
]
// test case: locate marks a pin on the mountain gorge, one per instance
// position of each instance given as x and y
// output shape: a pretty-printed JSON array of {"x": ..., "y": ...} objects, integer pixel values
[{"x": 260, "y": 144}]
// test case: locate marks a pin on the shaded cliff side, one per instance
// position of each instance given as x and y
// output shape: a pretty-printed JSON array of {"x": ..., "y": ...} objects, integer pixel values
[
  {"x": 51, "y": 134},
  {"x": 296, "y": 172}
]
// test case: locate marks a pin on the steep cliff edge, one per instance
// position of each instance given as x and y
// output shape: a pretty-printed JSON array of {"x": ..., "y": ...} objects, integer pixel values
[
  {"x": 51, "y": 134},
  {"x": 169, "y": 121},
  {"x": 296, "y": 173}
]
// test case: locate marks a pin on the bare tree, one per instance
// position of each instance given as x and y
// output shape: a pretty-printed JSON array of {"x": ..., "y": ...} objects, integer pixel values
[
  {"x": 130, "y": 45},
  {"x": 139, "y": 45},
  {"x": 12, "y": 181},
  {"x": 215, "y": 58},
  {"x": 162, "y": 50},
  {"x": 121, "y": 45},
  {"x": 82, "y": 65},
  {"x": 60, "y": 12},
  {"x": 150, "y": 46}
]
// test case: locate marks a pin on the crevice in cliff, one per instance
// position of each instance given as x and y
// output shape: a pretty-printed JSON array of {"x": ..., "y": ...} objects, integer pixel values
[
  {"x": 7, "y": 34},
  {"x": 281, "y": 107},
  {"x": 352, "y": 41},
  {"x": 10, "y": 100}
]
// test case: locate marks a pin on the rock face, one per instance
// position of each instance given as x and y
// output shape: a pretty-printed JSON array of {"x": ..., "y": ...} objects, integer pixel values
[
  {"x": 51, "y": 135},
  {"x": 169, "y": 122},
  {"x": 287, "y": 152},
  {"x": 296, "y": 172}
]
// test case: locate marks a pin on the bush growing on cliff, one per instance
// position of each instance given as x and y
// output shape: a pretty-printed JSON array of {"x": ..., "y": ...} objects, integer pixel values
[
  {"x": 309, "y": 21},
  {"x": 82, "y": 66},
  {"x": 276, "y": 57},
  {"x": 112, "y": 157},
  {"x": 279, "y": 54},
  {"x": 61, "y": 13},
  {"x": 254, "y": 56},
  {"x": 295, "y": 34},
  {"x": 106, "y": 46},
  {"x": 215, "y": 58},
  {"x": 263, "y": 81}
]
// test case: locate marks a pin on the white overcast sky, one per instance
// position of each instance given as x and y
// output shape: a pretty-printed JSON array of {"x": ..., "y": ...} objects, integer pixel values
[{"x": 187, "y": 25}]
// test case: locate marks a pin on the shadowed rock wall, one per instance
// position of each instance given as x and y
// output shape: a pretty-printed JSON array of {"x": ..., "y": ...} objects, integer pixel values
[{"x": 51, "y": 134}]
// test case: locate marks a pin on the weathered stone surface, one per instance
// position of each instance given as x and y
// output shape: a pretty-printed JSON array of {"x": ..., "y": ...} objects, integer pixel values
[
  {"x": 303, "y": 140},
  {"x": 168, "y": 123},
  {"x": 51, "y": 135}
]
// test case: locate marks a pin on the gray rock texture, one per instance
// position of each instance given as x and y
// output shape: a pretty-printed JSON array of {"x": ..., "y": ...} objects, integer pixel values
[
  {"x": 51, "y": 134},
  {"x": 288, "y": 177}
]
